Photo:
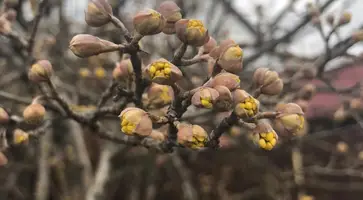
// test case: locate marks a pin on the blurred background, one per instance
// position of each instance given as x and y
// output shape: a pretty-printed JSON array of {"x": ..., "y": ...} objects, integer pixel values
[{"x": 324, "y": 161}]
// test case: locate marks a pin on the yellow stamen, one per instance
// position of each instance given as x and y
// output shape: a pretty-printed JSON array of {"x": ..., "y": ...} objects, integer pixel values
[{"x": 262, "y": 143}]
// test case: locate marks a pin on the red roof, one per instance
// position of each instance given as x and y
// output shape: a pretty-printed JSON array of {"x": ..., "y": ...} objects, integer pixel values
[{"x": 324, "y": 104}]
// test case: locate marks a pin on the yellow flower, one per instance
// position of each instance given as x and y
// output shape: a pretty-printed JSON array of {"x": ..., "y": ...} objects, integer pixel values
[
  {"x": 246, "y": 105},
  {"x": 290, "y": 119},
  {"x": 135, "y": 121},
  {"x": 192, "y": 32},
  {"x": 100, "y": 72},
  {"x": 205, "y": 97},
  {"x": 149, "y": 22},
  {"x": 192, "y": 136},
  {"x": 84, "y": 72},
  {"x": 163, "y": 72},
  {"x": 264, "y": 136},
  {"x": 20, "y": 136},
  {"x": 34, "y": 113}
]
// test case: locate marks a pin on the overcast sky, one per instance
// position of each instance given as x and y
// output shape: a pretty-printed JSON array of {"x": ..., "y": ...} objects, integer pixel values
[{"x": 307, "y": 43}]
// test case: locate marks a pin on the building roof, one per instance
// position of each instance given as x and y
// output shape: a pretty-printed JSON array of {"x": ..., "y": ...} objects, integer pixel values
[{"x": 325, "y": 103}]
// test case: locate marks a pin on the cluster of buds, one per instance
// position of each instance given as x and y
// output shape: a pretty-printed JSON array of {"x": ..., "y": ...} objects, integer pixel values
[
  {"x": 264, "y": 136},
  {"x": 34, "y": 113},
  {"x": 172, "y": 14},
  {"x": 41, "y": 71},
  {"x": 163, "y": 72},
  {"x": 192, "y": 136},
  {"x": 135, "y": 121},
  {"x": 268, "y": 81},
  {"x": 221, "y": 92},
  {"x": 159, "y": 95}
]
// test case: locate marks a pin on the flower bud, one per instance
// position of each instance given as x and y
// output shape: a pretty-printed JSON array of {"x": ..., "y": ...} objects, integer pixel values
[
  {"x": 40, "y": 71},
  {"x": 172, "y": 14},
  {"x": 312, "y": 10},
  {"x": 157, "y": 135},
  {"x": 268, "y": 81},
  {"x": 231, "y": 59},
  {"x": 306, "y": 197},
  {"x": 163, "y": 72},
  {"x": 98, "y": 13},
  {"x": 20, "y": 136},
  {"x": 192, "y": 32},
  {"x": 264, "y": 136},
  {"x": 358, "y": 35},
  {"x": 84, "y": 72},
  {"x": 160, "y": 95},
  {"x": 149, "y": 22},
  {"x": 224, "y": 101},
  {"x": 360, "y": 156},
  {"x": 205, "y": 97},
  {"x": 342, "y": 147},
  {"x": 192, "y": 136},
  {"x": 100, "y": 72},
  {"x": 3, "y": 159},
  {"x": 229, "y": 80},
  {"x": 123, "y": 70},
  {"x": 135, "y": 121},
  {"x": 307, "y": 91},
  {"x": 34, "y": 113},
  {"x": 10, "y": 15},
  {"x": 85, "y": 45},
  {"x": 330, "y": 19},
  {"x": 340, "y": 114},
  {"x": 345, "y": 18},
  {"x": 245, "y": 105},
  {"x": 216, "y": 52},
  {"x": 5, "y": 25},
  {"x": 209, "y": 46},
  {"x": 4, "y": 116},
  {"x": 356, "y": 104},
  {"x": 303, "y": 104},
  {"x": 290, "y": 119}
]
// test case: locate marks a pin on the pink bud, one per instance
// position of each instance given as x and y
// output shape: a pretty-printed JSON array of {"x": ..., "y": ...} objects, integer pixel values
[
  {"x": 149, "y": 22},
  {"x": 163, "y": 72},
  {"x": 192, "y": 32},
  {"x": 135, "y": 121},
  {"x": 98, "y": 13},
  {"x": 205, "y": 97},
  {"x": 40, "y": 71},
  {"x": 85, "y": 45}
]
